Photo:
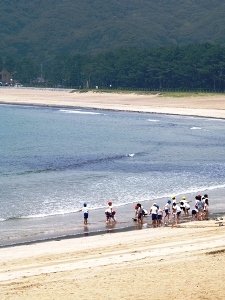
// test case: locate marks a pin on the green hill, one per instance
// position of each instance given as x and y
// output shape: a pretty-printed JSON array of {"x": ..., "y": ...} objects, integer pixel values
[{"x": 41, "y": 29}]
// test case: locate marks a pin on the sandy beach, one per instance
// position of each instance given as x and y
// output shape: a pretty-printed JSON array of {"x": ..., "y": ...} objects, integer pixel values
[
  {"x": 183, "y": 262},
  {"x": 205, "y": 106}
]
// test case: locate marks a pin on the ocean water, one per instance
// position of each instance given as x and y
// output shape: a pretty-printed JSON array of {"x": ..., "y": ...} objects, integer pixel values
[{"x": 52, "y": 160}]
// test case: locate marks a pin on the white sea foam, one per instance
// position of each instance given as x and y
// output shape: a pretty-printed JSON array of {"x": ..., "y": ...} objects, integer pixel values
[
  {"x": 79, "y": 112},
  {"x": 153, "y": 120},
  {"x": 196, "y": 128},
  {"x": 49, "y": 214}
]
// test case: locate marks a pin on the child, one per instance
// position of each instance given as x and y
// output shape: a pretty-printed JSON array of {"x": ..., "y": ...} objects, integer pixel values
[
  {"x": 85, "y": 211},
  {"x": 154, "y": 212},
  {"x": 198, "y": 202},
  {"x": 173, "y": 198},
  {"x": 206, "y": 209},
  {"x": 198, "y": 206},
  {"x": 159, "y": 218},
  {"x": 140, "y": 213},
  {"x": 178, "y": 212},
  {"x": 167, "y": 211},
  {"x": 182, "y": 203},
  {"x": 136, "y": 213},
  {"x": 174, "y": 213},
  {"x": 110, "y": 213},
  {"x": 187, "y": 208},
  {"x": 195, "y": 214}
]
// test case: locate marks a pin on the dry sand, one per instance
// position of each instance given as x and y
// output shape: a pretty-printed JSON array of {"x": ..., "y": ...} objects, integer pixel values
[
  {"x": 208, "y": 106},
  {"x": 185, "y": 262}
]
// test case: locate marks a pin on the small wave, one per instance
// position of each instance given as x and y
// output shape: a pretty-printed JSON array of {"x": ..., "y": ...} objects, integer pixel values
[
  {"x": 38, "y": 216},
  {"x": 72, "y": 166},
  {"x": 38, "y": 171},
  {"x": 78, "y": 112},
  {"x": 41, "y": 216},
  {"x": 214, "y": 187},
  {"x": 195, "y": 128},
  {"x": 153, "y": 120},
  {"x": 204, "y": 188},
  {"x": 53, "y": 214},
  {"x": 12, "y": 218},
  {"x": 63, "y": 213},
  {"x": 198, "y": 190}
]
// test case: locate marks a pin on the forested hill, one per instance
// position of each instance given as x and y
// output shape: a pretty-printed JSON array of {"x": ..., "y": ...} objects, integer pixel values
[{"x": 45, "y": 28}]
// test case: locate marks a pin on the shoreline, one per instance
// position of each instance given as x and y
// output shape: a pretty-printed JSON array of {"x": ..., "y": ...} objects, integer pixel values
[
  {"x": 213, "y": 221},
  {"x": 178, "y": 113},
  {"x": 183, "y": 262},
  {"x": 70, "y": 226},
  {"x": 199, "y": 106}
]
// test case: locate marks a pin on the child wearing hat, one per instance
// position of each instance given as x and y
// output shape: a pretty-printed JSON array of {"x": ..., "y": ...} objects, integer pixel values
[
  {"x": 110, "y": 213},
  {"x": 85, "y": 211}
]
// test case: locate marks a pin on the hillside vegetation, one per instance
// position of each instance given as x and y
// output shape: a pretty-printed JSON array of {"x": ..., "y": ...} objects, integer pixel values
[
  {"x": 198, "y": 67},
  {"x": 41, "y": 29}
]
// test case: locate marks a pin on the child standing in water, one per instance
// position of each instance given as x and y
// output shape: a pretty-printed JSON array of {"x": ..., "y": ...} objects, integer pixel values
[
  {"x": 206, "y": 208},
  {"x": 85, "y": 211},
  {"x": 136, "y": 213},
  {"x": 140, "y": 213},
  {"x": 110, "y": 213},
  {"x": 154, "y": 212},
  {"x": 159, "y": 217},
  {"x": 167, "y": 211}
]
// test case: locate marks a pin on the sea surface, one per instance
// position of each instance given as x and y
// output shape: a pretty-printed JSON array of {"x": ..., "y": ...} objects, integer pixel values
[{"x": 52, "y": 160}]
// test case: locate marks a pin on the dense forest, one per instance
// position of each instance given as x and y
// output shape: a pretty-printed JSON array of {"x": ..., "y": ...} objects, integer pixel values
[
  {"x": 42, "y": 29},
  {"x": 187, "y": 67},
  {"x": 123, "y": 44}
]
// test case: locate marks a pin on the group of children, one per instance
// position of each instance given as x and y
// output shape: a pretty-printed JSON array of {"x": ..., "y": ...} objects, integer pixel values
[
  {"x": 171, "y": 211},
  {"x": 201, "y": 210}
]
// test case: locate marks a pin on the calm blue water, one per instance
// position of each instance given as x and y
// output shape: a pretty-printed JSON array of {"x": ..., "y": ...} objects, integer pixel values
[{"x": 54, "y": 159}]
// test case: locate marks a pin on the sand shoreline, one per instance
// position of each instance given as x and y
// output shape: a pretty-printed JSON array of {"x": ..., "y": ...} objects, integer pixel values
[
  {"x": 178, "y": 261},
  {"x": 199, "y": 106},
  {"x": 184, "y": 262}
]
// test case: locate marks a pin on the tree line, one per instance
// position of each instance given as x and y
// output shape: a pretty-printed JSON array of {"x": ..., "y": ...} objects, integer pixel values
[{"x": 187, "y": 67}]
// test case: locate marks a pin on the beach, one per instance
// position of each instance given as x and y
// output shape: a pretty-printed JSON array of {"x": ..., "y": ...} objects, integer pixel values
[
  {"x": 205, "y": 106},
  {"x": 182, "y": 262}
]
